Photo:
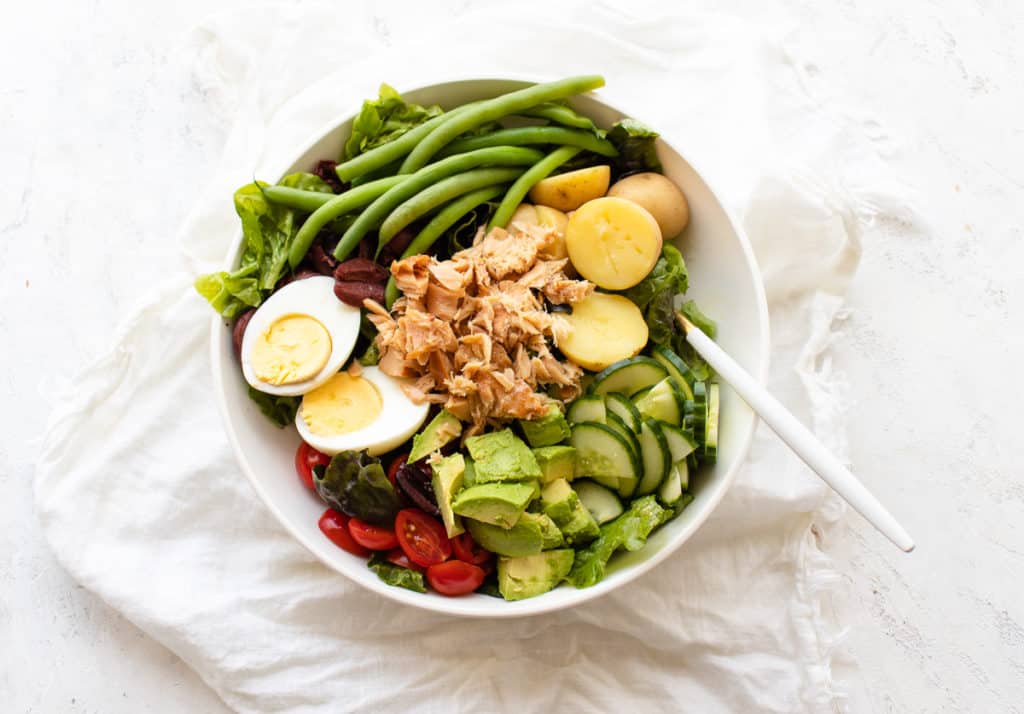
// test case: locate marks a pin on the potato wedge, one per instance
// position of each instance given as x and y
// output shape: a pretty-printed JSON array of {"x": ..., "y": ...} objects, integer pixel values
[
  {"x": 570, "y": 190},
  {"x": 603, "y": 329},
  {"x": 660, "y": 196},
  {"x": 613, "y": 242}
]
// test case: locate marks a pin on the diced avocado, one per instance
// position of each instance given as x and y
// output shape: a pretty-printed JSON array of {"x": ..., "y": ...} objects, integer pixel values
[
  {"x": 532, "y": 575},
  {"x": 550, "y": 536},
  {"x": 498, "y": 503},
  {"x": 524, "y": 538},
  {"x": 556, "y": 462},
  {"x": 549, "y": 429},
  {"x": 441, "y": 430},
  {"x": 470, "y": 478},
  {"x": 447, "y": 480},
  {"x": 502, "y": 456},
  {"x": 562, "y": 504}
]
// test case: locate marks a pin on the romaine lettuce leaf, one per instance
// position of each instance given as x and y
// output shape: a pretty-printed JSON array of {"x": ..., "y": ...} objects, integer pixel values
[
  {"x": 395, "y": 574},
  {"x": 637, "y": 150},
  {"x": 385, "y": 119},
  {"x": 629, "y": 531},
  {"x": 280, "y": 410},
  {"x": 355, "y": 484}
]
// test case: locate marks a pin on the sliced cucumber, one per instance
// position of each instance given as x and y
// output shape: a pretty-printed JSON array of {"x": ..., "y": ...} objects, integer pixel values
[
  {"x": 661, "y": 402},
  {"x": 655, "y": 456},
  {"x": 588, "y": 408},
  {"x": 604, "y": 455},
  {"x": 618, "y": 425},
  {"x": 711, "y": 425},
  {"x": 628, "y": 376},
  {"x": 619, "y": 404},
  {"x": 676, "y": 367},
  {"x": 695, "y": 411},
  {"x": 672, "y": 487},
  {"x": 680, "y": 444},
  {"x": 603, "y": 505}
]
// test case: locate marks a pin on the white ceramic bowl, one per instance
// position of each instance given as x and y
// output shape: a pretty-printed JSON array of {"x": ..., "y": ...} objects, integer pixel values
[{"x": 724, "y": 279}]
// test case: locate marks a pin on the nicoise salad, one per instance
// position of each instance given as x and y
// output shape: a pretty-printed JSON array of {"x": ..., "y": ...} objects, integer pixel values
[{"x": 470, "y": 318}]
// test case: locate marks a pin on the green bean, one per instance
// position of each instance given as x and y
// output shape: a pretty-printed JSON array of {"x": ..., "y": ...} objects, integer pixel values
[
  {"x": 336, "y": 206},
  {"x": 297, "y": 198},
  {"x": 492, "y": 110},
  {"x": 376, "y": 212},
  {"x": 524, "y": 183},
  {"x": 440, "y": 193},
  {"x": 557, "y": 135},
  {"x": 559, "y": 114},
  {"x": 441, "y": 222},
  {"x": 393, "y": 150}
]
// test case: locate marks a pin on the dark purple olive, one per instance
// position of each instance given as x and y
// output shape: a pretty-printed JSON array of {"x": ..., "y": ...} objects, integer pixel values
[
  {"x": 414, "y": 480},
  {"x": 322, "y": 261},
  {"x": 325, "y": 171},
  {"x": 396, "y": 246},
  {"x": 238, "y": 330},
  {"x": 354, "y": 293}
]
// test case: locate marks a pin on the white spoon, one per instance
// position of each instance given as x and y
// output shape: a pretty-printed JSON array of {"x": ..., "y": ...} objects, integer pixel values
[{"x": 797, "y": 436}]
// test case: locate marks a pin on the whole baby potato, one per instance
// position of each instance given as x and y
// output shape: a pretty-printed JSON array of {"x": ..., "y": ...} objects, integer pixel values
[
  {"x": 570, "y": 190},
  {"x": 660, "y": 196}
]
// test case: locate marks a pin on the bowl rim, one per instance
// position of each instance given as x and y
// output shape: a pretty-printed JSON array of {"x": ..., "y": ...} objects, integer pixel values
[{"x": 532, "y": 606}]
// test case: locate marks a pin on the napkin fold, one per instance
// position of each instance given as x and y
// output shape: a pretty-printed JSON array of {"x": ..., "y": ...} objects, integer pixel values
[{"x": 142, "y": 502}]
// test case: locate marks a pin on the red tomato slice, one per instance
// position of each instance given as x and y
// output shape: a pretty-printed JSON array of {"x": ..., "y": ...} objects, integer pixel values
[
  {"x": 468, "y": 551},
  {"x": 305, "y": 459},
  {"x": 454, "y": 577},
  {"x": 334, "y": 525},
  {"x": 422, "y": 537},
  {"x": 371, "y": 536},
  {"x": 399, "y": 558},
  {"x": 396, "y": 464}
]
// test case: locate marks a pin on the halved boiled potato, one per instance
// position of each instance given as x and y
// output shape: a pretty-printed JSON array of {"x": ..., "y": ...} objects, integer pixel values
[
  {"x": 603, "y": 329},
  {"x": 570, "y": 190},
  {"x": 613, "y": 242}
]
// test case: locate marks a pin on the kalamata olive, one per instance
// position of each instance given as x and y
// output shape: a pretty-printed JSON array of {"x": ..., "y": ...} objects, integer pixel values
[
  {"x": 325, "y": 171},
  {"x": 238, "y": 330},
  {"x": 322, "y": 261},
  {"x": 367, "y": 247},
  {"x": 396, "y": 246},
  {"x": 353, "y": 293},
  {"x": 360, "y": 270},
  {"x": 414, "y": 480}
]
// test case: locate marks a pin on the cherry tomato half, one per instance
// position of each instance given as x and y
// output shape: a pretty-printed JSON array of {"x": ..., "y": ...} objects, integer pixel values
[
  {"x": 454, "y": 577},
  {"x": 422, "y": 537},
  {"x": 371, "y": 536},
  {"x": 399, "y": 558},
  {"x": 305, "y": 459},
  {"x": 396, "y": 464},
  {"x": 334, "y": 525},
  {"x": 468, "y": 551}
]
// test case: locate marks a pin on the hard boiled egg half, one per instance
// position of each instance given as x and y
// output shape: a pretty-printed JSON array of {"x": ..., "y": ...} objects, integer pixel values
[
  {"x": 299, "y": 338},
  {"x": 354, "y": 410}
]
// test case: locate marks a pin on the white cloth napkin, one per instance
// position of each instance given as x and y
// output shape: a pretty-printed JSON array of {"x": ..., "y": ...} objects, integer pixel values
[{"x": 140, "y": 497}]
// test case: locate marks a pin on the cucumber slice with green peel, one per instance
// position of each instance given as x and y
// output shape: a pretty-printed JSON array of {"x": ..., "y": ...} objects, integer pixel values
[
  {"x": 676, "y": 367},
  {"x": 603, "y": 454},
  {"x": 680, "y": 444},
  {"x": 602, "y": 503},
  {"x": 655, "y": 456},
  {"x": 587, "y": 408},
  {"x": 671, "y": 489},
  {"x": 628, "y": 376},
  {"x": 638, "y": 395},
  {"x": 711, "y": 424},
  {"x": 613, "y": 420},
  {"x": 661, "y": 403},
  {"x": 695, "y": 411},
  {"x": 619, "y": 404}
]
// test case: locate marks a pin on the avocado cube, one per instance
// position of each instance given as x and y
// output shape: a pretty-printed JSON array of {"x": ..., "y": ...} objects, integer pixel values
[
  {"x": 556, "y": 462},
  {"x": 551, "y": 537},
  {"x": 502, "y": 456},
  {"x": 500, "y": 504},
  {"x": 523, "y": 538},
  {"x": 561, "y": 503},
  {"x": 441, "y": 430},
  {"x": 447, "y": 480},
  {"x": 549, "y": 429},
  {"x": 470, "y": 478},
  {"x": 532, "y": 575}
]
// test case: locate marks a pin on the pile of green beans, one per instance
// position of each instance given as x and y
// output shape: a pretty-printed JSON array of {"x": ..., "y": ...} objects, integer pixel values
[{"x": 442, "y": 173}]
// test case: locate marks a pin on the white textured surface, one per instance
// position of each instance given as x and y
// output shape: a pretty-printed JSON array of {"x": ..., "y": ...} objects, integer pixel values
[{"x": 100, "y": 128}]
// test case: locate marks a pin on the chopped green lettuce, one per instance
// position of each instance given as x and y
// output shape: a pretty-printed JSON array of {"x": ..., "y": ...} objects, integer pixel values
[
  {"x": 395, "y": 574},
  {"x": 355, "y": 484},
  {"x": 636, "y": 143},
  {"x": 629, "y": 531},
  {"x": 280, "y": 410},
  {"x": 384, "y": 120}
]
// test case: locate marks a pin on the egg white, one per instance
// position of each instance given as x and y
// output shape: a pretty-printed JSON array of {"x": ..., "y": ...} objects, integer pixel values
[
  {"x": 398, "y": 420},
  {"x": 313, "y": 297}
]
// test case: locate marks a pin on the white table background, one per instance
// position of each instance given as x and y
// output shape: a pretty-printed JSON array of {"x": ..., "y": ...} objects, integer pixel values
[{"x": 105, "y": 141}]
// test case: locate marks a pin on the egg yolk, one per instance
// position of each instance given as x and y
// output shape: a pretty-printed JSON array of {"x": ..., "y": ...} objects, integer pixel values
[
  {"x": 341, "y": 405},
  {"x": 293, "y": 349}
]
